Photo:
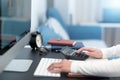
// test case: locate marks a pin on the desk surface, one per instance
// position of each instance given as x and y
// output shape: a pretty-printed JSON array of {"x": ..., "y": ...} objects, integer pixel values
[{"x": 27, "y": 53}]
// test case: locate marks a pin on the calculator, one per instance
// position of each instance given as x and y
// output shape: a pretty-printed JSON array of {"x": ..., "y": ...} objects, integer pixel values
[{"x": 70, "y": 53}]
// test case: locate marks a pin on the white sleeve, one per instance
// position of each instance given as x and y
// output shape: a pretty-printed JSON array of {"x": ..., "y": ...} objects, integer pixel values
[
  {"x": 112, "y": 51},
  {"x": 101, "y": 67}
]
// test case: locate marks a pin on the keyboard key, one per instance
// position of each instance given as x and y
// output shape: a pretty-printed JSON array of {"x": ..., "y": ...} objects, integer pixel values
[{"x": 41, "y": 69}]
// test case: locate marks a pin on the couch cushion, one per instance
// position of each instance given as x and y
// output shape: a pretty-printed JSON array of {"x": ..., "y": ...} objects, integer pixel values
[
  {"x": 53, "y": 12},
  {"x": 47, "y": 33},
  {"x": 84, "y": 32},
  {"x": 57, "y": 27}
]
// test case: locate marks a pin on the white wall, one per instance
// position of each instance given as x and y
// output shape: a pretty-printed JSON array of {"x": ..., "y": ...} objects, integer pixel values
[
  {"x": 72, "y": 11},
  {"x": 67, "y": 10},
  {"x": 62, "y": 7},
  {"x": 38, "y": 13},
  {"x": 88, "y": 11},
  {"x": 79, "y": 11}
]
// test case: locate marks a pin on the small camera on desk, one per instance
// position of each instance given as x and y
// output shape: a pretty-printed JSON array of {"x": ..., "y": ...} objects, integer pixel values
[{"x": 70, "y": 53}]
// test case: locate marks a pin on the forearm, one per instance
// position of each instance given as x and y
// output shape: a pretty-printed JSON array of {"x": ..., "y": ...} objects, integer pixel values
[
  {"x": 112, "y": 51},
  {"x": 106, "y": 68}
]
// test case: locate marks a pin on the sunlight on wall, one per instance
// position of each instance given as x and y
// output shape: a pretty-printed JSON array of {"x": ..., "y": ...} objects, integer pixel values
[
  {"x": 115, "y": 3},
  {"x": 111, "y": 3},
  {"x": 38, "y": 13}
]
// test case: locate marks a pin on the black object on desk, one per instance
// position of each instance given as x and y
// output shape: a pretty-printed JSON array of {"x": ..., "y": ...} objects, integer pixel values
[
  {"x": 28, "y": 53},
  {"x": 71, "y": 54}
]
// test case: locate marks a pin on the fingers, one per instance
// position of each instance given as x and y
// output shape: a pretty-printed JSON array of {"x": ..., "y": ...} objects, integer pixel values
[
  {"x": 63, "y": 66},
  {"x": 90, "y": 53},
  {"x": 85, "y": 49},
  {"x": 55, "y": 70},
  {"x": 55, "y": 67},
  {"x": 93, "y": 52}
]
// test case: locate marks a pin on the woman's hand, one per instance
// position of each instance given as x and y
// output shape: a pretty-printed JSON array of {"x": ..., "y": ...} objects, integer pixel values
[
  {"x": 57, "y": 67},
  {"x": 96, "y": 53}
]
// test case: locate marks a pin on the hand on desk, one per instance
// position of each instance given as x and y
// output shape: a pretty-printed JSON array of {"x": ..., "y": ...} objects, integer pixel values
[
  {"x": 65, "y": 65},
  {"x": 108, "y": 68},
  {"x": 96, "y": 53}
]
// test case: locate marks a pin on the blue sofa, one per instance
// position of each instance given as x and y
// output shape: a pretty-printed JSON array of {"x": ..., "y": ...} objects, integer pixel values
[{"x": 91, "y": 36}]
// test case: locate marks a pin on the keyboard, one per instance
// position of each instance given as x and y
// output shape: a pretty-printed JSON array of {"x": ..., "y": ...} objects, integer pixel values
[{"x": 41, "y": 69}]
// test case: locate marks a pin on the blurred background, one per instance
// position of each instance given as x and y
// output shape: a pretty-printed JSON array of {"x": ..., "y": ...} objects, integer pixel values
[{"x": 105, "y": 13}]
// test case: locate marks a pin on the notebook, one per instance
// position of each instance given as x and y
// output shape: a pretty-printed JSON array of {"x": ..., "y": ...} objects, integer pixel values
[
  {"x": 62, "y": 42},
  {"x": 77, "y": 45}
]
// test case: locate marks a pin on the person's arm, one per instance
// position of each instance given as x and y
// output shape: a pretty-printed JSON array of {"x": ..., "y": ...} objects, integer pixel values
[
  {"x": 107, "y": 68},
  {"x": 112, "y": 51},
  {"x": 104, "y": 68},
  {"x": 101, "y": 53},
  {"x": 92, "y": 52},
  {"x": 101, "y": 67}
]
